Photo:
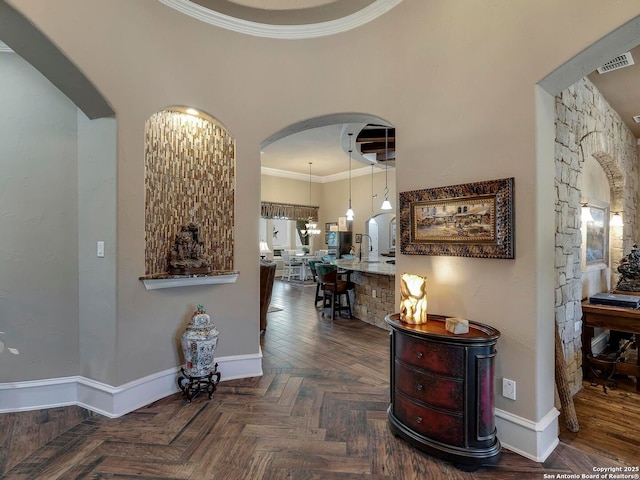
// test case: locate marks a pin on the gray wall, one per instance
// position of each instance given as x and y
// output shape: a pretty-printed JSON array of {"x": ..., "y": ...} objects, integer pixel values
[
  {"x": 38, "y": 225},
  {"x": 97, "y": 222}
]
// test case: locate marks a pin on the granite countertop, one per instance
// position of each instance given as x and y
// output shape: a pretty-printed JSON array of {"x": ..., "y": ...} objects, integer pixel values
[{"x": 377, "y": 265}]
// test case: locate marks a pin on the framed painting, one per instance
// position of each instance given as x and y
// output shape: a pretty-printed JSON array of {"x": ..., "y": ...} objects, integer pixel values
[
  {"x": 468, "y": 220},
  {"x": 595, "y": 235}
]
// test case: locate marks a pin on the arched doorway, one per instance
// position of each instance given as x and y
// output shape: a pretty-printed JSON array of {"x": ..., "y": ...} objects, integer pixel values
[{"x": 308, "y": 164}]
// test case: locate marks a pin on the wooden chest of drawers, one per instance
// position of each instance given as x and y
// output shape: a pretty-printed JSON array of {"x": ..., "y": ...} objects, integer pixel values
[{"x": 442, "y": 396}]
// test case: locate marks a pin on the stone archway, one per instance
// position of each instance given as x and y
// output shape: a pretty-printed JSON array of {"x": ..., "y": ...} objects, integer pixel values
[{"x": 586, "y": 126}]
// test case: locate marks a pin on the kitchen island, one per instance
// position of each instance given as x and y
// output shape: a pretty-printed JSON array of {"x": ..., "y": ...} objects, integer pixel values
[{"x": 375, "y": 295}]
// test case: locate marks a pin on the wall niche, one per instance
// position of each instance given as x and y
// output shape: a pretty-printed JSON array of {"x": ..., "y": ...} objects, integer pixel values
[{"x": 189, "y": 178}]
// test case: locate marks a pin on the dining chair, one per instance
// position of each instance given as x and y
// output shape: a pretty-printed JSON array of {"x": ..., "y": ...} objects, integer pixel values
[
  {"x": 333, "y": 290},
  {"x": 291, "y": 267}
]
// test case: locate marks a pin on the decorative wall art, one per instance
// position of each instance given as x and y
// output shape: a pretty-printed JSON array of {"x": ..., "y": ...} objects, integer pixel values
[
  {"x": 596, "y": 236},
  {"x": 468, "y": 220},
  {"x": 330, "y": 228}
]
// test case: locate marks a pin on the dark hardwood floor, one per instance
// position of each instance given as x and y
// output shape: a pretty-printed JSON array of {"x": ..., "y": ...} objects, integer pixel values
[{"x": 317, "y": 413}]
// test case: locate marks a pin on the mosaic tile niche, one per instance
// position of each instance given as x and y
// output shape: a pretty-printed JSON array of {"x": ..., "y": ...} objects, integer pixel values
[{"x": 189, "y": 177}]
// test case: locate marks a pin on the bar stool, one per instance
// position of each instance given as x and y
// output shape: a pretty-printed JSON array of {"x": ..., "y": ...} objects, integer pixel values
[
  {"x": 333, "y": 290},
  {"x": 312, "y": 267}
]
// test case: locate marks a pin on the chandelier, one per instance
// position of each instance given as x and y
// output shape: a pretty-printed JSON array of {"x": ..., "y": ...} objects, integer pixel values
[{"x": 311, "y": 228}]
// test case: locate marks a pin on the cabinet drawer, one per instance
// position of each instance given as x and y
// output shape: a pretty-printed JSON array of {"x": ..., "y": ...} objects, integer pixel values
[
  {"x": 431, "y": 356},
  {"x": 442, "y": 392},
  {"x": 435, "y": 424}
]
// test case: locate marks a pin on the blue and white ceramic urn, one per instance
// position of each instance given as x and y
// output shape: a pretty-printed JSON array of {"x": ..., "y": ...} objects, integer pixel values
[{"x": 199, "y": 341}]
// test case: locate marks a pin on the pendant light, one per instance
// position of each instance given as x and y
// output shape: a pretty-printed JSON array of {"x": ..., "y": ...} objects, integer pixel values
[
  {"x": 349, "y": 213},
  {"x": 386, "y": 205},
  {"x": 311, "y": 226},
  {"x": 372, "y": 220}
]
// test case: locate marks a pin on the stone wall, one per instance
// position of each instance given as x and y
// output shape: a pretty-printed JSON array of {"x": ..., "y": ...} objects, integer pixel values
[
  {"x": 372, "y": 309},
  {"x": 587, "y": 126}
]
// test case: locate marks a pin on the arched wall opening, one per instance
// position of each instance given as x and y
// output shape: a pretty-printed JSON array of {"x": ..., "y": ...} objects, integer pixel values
[
  {"x": 586, "y": 127},
  {"x": 329, "y": 192}
]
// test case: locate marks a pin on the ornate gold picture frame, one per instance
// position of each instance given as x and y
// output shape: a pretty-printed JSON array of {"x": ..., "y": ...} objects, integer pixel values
[{"x": 468, "y": 220}]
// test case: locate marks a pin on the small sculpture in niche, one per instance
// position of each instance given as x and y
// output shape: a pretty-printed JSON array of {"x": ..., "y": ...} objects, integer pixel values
[
  {"x": 187, "y": 255},
  {"x": 413, "y": 299},
  {"x": 629, "y": 269}
]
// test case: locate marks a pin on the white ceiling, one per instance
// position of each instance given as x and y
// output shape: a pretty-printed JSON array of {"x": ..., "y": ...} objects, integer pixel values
[
  {"x": 326, "y": 147},
  {"x": 321, "y": 146}
]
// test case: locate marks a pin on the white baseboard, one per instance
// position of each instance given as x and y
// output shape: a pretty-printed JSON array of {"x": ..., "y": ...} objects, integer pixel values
[
  {"x": 533, "y": 440},
  {"x": 111, "y": 401}
]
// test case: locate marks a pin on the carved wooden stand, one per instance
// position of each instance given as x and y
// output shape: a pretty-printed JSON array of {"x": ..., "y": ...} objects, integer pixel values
[{"x": 192, "y": 386}]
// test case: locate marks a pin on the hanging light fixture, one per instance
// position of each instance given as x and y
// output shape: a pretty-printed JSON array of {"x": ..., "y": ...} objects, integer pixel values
[
  {"x": 372, "y": 220},
  {"x": 311, "y": 226},
  {"x": 349, "y": 213},
  {"x": 386, "y": 205}
]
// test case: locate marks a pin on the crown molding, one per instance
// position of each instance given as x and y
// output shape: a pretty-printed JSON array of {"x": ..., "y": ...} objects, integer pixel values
[
  {"x": 4, "y": 47},
  {"x": 288, "y": 32},
  {"x": 274, "y": 172}
]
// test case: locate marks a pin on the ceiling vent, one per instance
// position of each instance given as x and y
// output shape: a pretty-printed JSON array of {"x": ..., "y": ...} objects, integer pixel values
[
  {"x": 636, "y": 118},
  {"x": 621, "y": 61}
]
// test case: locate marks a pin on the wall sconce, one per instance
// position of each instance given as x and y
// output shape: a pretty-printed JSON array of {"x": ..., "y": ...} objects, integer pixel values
[
  {"x": 586, "y": 213},
  {"x": 616, "y": 220}
]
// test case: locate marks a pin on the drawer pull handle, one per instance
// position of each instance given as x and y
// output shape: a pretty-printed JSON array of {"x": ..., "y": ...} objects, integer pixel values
[
  {"x": 419, "y": 387},
  {"x": 419, "y": 420},
  {"x": 419, "y": 354}
]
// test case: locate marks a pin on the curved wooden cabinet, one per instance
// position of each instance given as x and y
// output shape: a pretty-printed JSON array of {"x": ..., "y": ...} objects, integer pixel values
[{"x": 442, "y": 395}]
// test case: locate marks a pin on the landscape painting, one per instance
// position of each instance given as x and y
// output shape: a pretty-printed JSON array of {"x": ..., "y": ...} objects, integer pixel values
[{"x": 455, "y": 221}]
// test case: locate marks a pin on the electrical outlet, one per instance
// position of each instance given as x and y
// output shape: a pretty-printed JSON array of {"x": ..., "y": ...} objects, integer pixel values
[{"x": 509, "y": 388}]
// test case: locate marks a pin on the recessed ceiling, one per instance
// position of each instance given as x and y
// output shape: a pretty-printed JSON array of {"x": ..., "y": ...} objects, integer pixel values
[
  {"x": 327, "y": 147},
  {"x": 282, "y": 4},
  {"x": 283, "y": 12},
  {"x": 285, "y": 19}
]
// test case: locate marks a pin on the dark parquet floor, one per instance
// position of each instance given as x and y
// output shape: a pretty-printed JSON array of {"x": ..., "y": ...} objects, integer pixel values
[{"x": 317, "y": 413}]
